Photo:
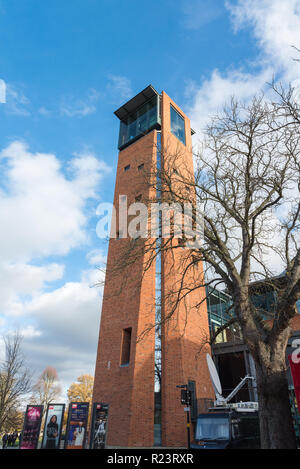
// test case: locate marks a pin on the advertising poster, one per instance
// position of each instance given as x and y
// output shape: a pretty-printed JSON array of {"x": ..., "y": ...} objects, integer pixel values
[
  {"x": 32, "y": 426},
  {"x": 295, "y": 371},
  {"x": 77, "y": 425},
  {"x": 99, "y": 426},
  {"x": 53, "y": 426}
]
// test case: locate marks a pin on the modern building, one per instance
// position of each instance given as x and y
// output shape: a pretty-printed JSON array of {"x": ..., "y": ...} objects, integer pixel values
[
  {"x": 231, "y": 354},
  {"x": 139, "y": 364}
]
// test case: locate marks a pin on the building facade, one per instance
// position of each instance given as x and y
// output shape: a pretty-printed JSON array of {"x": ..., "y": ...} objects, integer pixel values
[
  {"x": 141, "y": 356},
  {"x": 230, "y": 353}
]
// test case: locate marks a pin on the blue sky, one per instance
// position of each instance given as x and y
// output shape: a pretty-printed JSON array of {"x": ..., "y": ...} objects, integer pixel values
[{"x": 65, "y": 66}]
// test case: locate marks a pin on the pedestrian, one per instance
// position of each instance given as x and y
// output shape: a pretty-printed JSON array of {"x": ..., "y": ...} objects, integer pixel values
[
  {"x": 14, "y": 437},
  {"x": 4, "y": 440}
]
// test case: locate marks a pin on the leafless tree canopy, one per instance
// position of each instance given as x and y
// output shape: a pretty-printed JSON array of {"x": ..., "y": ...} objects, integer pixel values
[
  {"x": 15, "y": 381},
  {"x": 47, "y": 388}
]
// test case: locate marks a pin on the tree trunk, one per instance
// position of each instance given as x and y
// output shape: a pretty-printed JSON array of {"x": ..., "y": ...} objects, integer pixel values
[{"x": 276, "y": 425}]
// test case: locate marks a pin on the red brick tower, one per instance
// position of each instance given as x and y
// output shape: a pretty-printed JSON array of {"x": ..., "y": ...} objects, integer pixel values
[{"x": 125, "y": 367}]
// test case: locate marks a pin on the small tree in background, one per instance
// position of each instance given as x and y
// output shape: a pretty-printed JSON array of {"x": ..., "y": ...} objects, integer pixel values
[
  {"x": 47, "y": 388},
  {"x": 82, "y": 391},
  {"x": 15, "y": 382}
]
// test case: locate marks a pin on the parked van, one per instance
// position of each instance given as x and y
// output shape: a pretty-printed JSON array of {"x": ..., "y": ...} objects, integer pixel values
[{"x": 227, "y": 429}]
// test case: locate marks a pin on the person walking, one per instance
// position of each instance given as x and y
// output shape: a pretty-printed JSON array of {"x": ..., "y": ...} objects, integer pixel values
[
  {"x": 4, "y": 440},
  {"x": 14, "y": 437}
]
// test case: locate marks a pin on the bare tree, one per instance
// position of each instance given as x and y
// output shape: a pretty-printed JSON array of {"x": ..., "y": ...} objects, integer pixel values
[
  {"x": 247, "y": 180},
  {"x": 47, "y": 388},
  {"x": 15, "y": 381},
  {"x": 251, "y": 202}
]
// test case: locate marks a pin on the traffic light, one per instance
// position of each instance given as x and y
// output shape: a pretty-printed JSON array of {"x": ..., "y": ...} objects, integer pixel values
[
  {"x": 185, "y": 397},
  {"x": 193, "y": 404}
]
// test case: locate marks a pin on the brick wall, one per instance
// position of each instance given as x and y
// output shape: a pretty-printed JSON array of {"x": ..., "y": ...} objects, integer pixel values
[{"x": 184, "y": 336}]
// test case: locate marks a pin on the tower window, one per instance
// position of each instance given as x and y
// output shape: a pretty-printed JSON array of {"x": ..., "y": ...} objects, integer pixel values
[
  {"x": 181, "y": 242},
  {"x": 139, "y": 122},
  {"x": 125, "y": 348},
  {"x": 177, "y": 125},
  {"x": 141, "y": 166},
  {"x": 127, "y": 167}
]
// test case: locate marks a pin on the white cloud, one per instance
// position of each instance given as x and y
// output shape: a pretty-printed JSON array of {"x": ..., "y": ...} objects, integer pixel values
[
  {"x": 119, "y": 88},
  {"x": 29, "y": 332},
  {"x": 60, "y": 327},
  {"x": 71, "y": 311},
  {"x": 20, "y": 281},
  {"x": 66, "y": 327},
  {"x": 43, "y": 211},
  {"x": 86, "y": 168},
  {"x": 197, "y": 13},
  {"x": 43, "y": 111},
  {"x": 16, "y": 102},
  {"x": 96, "y": 257},
  {"x": 2, "y": 91},
  {"x": 275, "y": 27},
  {"x": 214, "y": 92},
  {"x": 82, "y": 107}
]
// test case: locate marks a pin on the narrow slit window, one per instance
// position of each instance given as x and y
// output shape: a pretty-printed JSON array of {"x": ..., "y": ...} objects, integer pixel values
[
  {"x": 127, "y": 167},
  {"x": 141, "y": 166},
  {"x": 126, "y": 344},
  {"x": 181, "y": 242}
]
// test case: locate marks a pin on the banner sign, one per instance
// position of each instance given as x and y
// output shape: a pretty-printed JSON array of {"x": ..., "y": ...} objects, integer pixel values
[
  {"x": 31, "y": 427},
  {"x": 295, "y": 371},
  {"x": 53, "y": 426},
  {"x": 99, "y": 425},
  {"x": 77, "y": 425}
]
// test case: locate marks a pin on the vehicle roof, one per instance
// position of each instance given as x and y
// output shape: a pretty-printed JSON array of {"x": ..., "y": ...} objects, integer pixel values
[{"x": 228, "y": 413}]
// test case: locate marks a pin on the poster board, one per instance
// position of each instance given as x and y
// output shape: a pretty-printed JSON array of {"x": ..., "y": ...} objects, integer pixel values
[
  {"x": 53, "y": 426},
  {"x": 32, "y": 426},
  {"x": 76, "y": 431},
  {"x": 99, "y": 425},
  {"x": 295, "y": 372}
]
